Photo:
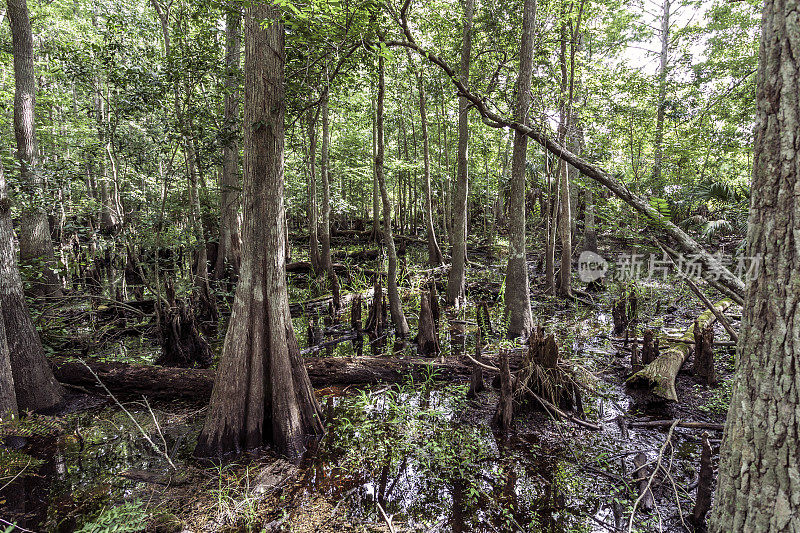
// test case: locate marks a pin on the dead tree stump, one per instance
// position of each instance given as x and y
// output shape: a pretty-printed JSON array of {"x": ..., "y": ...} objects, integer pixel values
[
  {"x": 704, "y": 354},
  {"x": 483, "y": 318},
  {"x": 624, "y": 312},
  {"x": 542, "y": 374},
  {"x": 376, "y": 320},
  {"x": 702, "y": 502},
  {"x": 315, "y": 333},
  {"x": 542, "y": 349},
  {"x": 649, "y": 347},
  {"x": 182, "y": 344},
  {"x": 428, "y": 336},
  {"x": 636, "y": 364},
  {"x": 434, "y": 297},
  {"x": 504, "y": 415},
  {"x": 620, "y": 316},
  {"x": 476, "y": 383},
  {"x": 355, "y": 314},
  {"x": 641, "y": 474}
]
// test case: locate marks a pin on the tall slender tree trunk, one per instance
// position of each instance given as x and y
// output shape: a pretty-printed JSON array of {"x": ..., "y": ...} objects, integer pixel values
[
  {"x": 455, "y": 282},
  {"x": 434, "y": 252},
  {"x": 108, "y": 220},
  {"x": 589, "y": 225},
  {"x": 185, "y": 128},
  {"x": 262, "y": 392},
  {"x": 327, "y": 264},
  {"x": 325, "y": 234},
  {"x": 517, "y": 292},
  {"x": 395, "y": 305},
  {"x": 36, "y": 388},
  {"x": 201, "y": 280},
  {"x": 446, "y": 181},
  {"x": 313, "y": 214},
  {"x": 35, "y": 243},
  {"x": 230, "y": 185},
  {"x": 551, "y": 228},
  {"x": 759, "y": 476},
  {"x": 662, "y": 92},
  {"x": 567, "y": 91},
  {"x": 376, "y": 213}
]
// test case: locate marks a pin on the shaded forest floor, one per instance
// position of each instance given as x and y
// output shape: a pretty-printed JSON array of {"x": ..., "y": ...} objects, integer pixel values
[{"x": 417, "y": 454}]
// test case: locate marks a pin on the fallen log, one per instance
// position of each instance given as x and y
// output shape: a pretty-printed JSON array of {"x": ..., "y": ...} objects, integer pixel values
[
  {"x": 660, "y": 374},
  {"x": 678, "y": 423},
  {"x": 160, "y": 383}
]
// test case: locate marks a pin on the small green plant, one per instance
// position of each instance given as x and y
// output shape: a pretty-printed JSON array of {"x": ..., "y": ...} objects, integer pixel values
[
  {"x": 720, "y": 399},
  {"x": 128, "y": 517}
]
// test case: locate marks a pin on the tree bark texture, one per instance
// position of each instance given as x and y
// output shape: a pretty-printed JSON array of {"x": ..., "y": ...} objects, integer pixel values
[
  {"x": 455, "y": 282},
  {"x": 759, "y": 480},
  {"x": 36, "y": 388},
  {"x": 34, "y": 233},
  {"x": 265, "y": 394},
  {"x": 517, "y": 292}
]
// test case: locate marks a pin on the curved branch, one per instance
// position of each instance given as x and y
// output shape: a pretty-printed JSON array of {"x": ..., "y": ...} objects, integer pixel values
[{"x": 492, "y": 119}]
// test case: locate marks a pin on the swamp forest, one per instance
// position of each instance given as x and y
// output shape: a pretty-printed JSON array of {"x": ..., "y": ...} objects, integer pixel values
[{"x": 395, "y": 266}]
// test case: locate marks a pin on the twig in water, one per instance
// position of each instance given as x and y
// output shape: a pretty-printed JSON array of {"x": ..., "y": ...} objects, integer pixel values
[
  {"x": 652, "y": 476},
  {"x": 386, "y": 518},
  {"x": 138, "y": 426},
  {"x": 15, "y": 477}
]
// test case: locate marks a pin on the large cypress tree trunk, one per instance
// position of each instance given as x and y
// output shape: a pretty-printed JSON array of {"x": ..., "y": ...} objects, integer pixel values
[
  {"x": 395, "y": 305},
  {"x": 455, "y": 282},
  {"x": 34, "y": 235},
  {"x": 517, "y": 293},
  {"x": 36, "y": 388},
  {"x": 262, "y": 393},
  {"x": 759, "y": 482},
  {"x": 229, "y": 241}
]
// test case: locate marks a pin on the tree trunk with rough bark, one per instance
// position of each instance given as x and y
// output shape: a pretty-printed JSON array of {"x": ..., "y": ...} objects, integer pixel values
[
  {"x": 759, "y": 476},
  {"x": 36, "y": 388},
  {"x": 264, "y": 394},
  {"x": 517, "y": 293},
  {"x": 455, "y": 283},
  {"x": 34, "y": 233},
  {"x": 8, "y": 398},
  {"x": 230, "y": 184},
  {"x": 395, "y": 305}
]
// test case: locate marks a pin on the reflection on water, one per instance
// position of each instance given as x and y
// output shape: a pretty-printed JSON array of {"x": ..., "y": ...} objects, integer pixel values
[
  {"x": 68, "y": 469},
  {"x": 427, "y": 463}
]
